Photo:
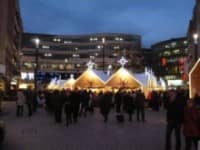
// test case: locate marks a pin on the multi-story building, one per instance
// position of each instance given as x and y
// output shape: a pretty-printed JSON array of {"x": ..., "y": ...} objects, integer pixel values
[
  {"x": 194, "y": 28},
  {"x": 148, "y": 57},
  {"x": 170, "y": 58},
  {"x": 65, "y": 55},
  {"x": 10, "y": 39}
]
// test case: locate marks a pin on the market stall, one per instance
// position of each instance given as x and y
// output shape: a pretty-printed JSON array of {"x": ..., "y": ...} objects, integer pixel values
[{"x": 194, "y": 79}]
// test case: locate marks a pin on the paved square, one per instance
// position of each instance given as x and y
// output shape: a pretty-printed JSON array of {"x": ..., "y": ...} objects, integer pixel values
[{"x": 41, "y": 133}]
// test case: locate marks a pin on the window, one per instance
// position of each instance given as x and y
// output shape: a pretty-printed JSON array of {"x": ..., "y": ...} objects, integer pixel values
[
  {"x": 67, "y": 42},
  {"x": 176, "y": 51},
  {"x": 167, "y": 53},
  {"x": 45, "y": 47},
  {"x": 185, "y": 42},
  {"x": 173, "y": 44},
  {"x": 167, "y": 46}
]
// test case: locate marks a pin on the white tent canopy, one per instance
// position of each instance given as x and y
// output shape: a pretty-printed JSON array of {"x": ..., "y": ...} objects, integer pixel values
[{"x": 91, "y": 78}]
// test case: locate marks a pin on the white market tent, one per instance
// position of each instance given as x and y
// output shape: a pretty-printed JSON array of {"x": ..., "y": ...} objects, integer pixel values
[
  {"x": 122, "y": 78},
  {"x": 69, "y": 84},
  {"x": 56, "y": 84},
  {"x": 91, "y": 78},
  {"x": 125, "y": 79},
  {"x": 194, "y": 79},
  {"x": 149, "y": 82}
]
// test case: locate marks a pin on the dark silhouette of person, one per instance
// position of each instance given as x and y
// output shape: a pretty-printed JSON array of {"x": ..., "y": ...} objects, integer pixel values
[
  {"x": 30, "y": 98},
  {"x": 84, "y": 103},
  {"x": 105, "y": 105},
  {"x": 67, "y": 108},
  {"x": 118, "y": 101},
  {"x": 140, "y": 104},
  {"x": 175, "y": 115},
  {"x": 191, "y": 129},
  {"x": 75, "y": 104},
  {"x": 129, "y": 105},
  {"x": 58, "y": 98}
]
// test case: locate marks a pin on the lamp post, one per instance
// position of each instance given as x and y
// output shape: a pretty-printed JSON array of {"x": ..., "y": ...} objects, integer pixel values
[
  {"x": 195, "y": 37},
  {"x": 103, "y": 53},
  {"x": 37, "y": 44}
]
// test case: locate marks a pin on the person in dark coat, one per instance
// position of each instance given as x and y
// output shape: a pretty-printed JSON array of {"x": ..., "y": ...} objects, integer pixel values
[
  {"x": 175, "y": 115},
  {"x": 140, "y": 104},
  {"x": 67, "y": 108},
  {"x": 75, "y": 104},
  {"x": 58, "y": 99},
  {"x": 30, "y": 98},
  {"x": 191, "y": 129},
  {"x": 129, "y": 105},
  {"x": 84, "y": 102},
  {"x": 118, "y": 101},
  {"x": 155, "y": 101},
  {"x": 105, "y": 105}
]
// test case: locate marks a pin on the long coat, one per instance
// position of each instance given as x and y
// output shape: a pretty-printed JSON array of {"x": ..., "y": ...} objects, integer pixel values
[{"x": 191, "y": 122}]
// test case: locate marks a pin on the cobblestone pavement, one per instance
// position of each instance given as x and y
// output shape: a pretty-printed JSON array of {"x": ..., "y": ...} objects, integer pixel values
[{"x": 41, "y": 133}]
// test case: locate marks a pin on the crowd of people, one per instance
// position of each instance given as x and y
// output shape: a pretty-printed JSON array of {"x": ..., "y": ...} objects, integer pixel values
[
  {"x": 182, "y": 113},
  {"x": 79, "y": 102}
]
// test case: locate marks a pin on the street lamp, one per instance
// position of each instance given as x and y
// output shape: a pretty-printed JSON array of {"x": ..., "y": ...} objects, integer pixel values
[
  {"x": 103, "y": 51},
  {"x": 195, "y": 38},
  {"x": 37, "y": 44}
]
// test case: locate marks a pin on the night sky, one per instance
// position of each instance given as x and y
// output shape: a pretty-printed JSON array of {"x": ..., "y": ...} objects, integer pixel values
[{"x": 154, "y": 20}]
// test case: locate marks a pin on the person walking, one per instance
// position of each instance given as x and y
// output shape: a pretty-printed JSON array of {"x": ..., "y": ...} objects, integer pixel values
[
  {"x": 191, "y": 129},
  {"x": 20, "y": 103},
  {"x": 174, "y": 119},
  {"x": 67, "y": 108},
  {"x": 129, "y": 105},
  {"x": 140, "y": 104},
  {"x": 105, "y": 105}
]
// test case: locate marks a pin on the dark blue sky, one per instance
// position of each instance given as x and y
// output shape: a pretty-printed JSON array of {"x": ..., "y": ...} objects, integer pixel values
[{"x": 154, "y": 20}]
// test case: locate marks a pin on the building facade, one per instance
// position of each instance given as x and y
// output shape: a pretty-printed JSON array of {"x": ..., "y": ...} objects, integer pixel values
[
  {"x": 10, "y": 39},
  {"x": 169, "y": 61},
  {"x": 148, "y": 57},
  {"x": 194, "y": 28},
  {"x": 64, "y": 55}
]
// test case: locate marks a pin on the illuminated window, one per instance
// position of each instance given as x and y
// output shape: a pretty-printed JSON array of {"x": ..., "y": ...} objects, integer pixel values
[
  {"x": 94, "y": 39},
  {"x": 78, "y": 65},
  {"x": 92, "y": 57},
  {"x": 61, "y": 67},
  {"x": 45, "y": 47},
  {"x": 116, "y": 47},
  {"x": 48, "y": 54},
  {"x": 167, "y": 46},
  {"x": 76, "y": 55},
  {"x": 117, "y": 38},
  {"x": 54, "y": 66},
  {"x": 185, "y": 42},
  {"x": 167, "y": 53},
  {"x": 69, "y": 66},
  {"x": 176, "y": 51},
  {"x": 66, "y": 60},
  {"x": 99, "y": 46},
  {"x": 115, "y": 54},
  {"x": 28, "y": 65},
  {"x": 67, "y": 42},
  {"x": 56, "y": 39},
  {"x": 173, "y": 44}
]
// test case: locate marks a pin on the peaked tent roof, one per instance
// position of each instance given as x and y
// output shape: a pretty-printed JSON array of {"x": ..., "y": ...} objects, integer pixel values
[
  {"x": 91, "y": 79},
  {"x": 69, "y": 83},
  {"x": 123, "y": 78}
]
